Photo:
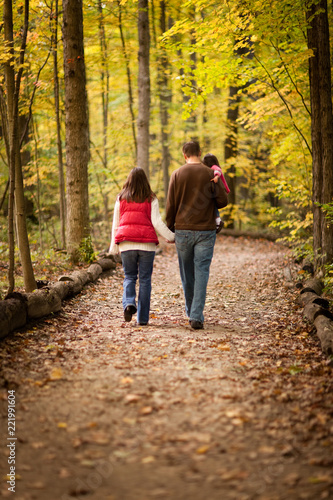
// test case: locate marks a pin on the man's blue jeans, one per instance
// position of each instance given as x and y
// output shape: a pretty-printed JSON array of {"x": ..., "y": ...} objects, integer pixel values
[
  {"x": 195, "y": 252},
  {"x": 138, "y": 263}
]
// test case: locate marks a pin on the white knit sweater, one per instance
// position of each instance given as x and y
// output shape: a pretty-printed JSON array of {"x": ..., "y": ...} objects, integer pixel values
[{"x": 157, "y": 222}]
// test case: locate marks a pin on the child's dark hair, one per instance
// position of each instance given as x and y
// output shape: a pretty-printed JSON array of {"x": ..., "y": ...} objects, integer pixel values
[
  {"x": 191, "y": 148},
  {"x": 209, "y": 160},
  {"x": 136, "y": 187}
]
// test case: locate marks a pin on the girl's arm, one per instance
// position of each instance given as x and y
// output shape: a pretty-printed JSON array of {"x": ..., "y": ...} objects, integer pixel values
[
  {"x": 158, "y": 224},
  {"x": 218, "y": 174},
  {"x": 114, "y": 248},
  {"x": 217, "y": 171}
]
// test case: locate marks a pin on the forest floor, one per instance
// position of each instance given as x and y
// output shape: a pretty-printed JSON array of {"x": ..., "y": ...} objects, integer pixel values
[{"x": 107, "y": 410}]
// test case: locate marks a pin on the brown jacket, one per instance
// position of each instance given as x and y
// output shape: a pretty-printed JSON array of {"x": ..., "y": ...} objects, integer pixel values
[{"x": 190, "y": 202}]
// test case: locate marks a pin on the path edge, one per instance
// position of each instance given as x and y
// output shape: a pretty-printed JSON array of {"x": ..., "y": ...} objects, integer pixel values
[
  {"x": 18, "y": 308},
  {"x": 316, "y": 311}
]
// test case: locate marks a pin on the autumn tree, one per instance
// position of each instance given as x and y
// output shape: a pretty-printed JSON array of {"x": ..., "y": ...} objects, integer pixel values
[
  {"x": 129, "y": 76},
  {"x": 77, "y": 127},
  {"x": 10, "y": 117},
  {"x": 62, "y": 194},
  {"x": 143, "y": 86},
  {"x": 165, "y": 99},
  {"x": 321, "y": 128}
]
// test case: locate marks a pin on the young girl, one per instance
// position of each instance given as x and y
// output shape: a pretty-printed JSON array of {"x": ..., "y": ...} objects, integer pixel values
[
  {"x": 212, "y": 162},
  {"x": 136, "y": 216}
]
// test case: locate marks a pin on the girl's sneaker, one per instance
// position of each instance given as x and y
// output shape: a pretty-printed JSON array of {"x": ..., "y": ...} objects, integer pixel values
[{"x": 128, "y": 312}]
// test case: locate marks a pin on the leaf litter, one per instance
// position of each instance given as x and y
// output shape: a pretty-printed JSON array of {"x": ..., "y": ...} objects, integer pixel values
[{"x": 240, "y": 410}]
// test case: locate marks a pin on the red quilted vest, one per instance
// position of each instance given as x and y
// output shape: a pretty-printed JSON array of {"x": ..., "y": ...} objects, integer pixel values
[{"x": 135, "y": 223}]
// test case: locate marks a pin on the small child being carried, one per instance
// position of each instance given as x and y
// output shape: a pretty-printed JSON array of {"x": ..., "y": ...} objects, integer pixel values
[{"x": 212, "y": 162}]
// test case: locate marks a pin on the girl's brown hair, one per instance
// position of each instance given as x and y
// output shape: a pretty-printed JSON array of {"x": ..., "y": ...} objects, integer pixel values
[
  {"x": 209, "y": 160},
  {"x": 136, "y": 187}
]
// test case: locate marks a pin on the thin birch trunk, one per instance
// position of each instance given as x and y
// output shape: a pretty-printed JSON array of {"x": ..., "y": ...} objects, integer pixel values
[
  {"x": 62, "y": 194},
  {"x": 105, "y": 79},
  {"x": 165, "y": 100},
  {"x": 12, "y": 132},
  {"x": 129, "y": 78},
  {"x": 144, "y": 87}
]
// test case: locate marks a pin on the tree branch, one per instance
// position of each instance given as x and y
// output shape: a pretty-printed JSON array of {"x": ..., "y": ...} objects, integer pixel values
[
  {"x": 285, "y": 103},
  {"x": 291, "y": 79},
  {"x": 32, "y": 98}
]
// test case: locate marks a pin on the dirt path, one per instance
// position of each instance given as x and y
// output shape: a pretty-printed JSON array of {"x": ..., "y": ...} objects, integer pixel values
[{"x": 240, "y": 410}]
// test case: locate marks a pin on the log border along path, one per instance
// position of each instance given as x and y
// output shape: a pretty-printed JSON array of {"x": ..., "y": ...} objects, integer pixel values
[{"x": 104, "y": 409}]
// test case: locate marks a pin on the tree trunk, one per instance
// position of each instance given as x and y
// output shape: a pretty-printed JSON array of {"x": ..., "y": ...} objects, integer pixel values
[
  {"x": 243, "y": 47},
  {"x": 129, "y": 78},
  {"x": 38, "y": 184},
  {"x": 105, "y": 78},
  {"x": 191, "y": 125},
  {"x": 4, "y": 195},
  {"x": 230, "y": 145},
  {"x": 321, "y": 129},
  {"x": 144, "y": 87},
  {"x": 165, "y": 100},
  {"x": 206, "y": 137},
  {"x": 62, "y": 195},
  {"x": 13, "y": 84},
  {"x": 77, "y": 127},
  {"x": 21, "y": 224},
  {"x": 12, "y": 132},
  {"x": 190, "y": 129}
]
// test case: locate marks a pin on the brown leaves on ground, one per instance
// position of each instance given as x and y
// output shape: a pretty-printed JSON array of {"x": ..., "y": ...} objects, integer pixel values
[{"x": 240, "y": 410}]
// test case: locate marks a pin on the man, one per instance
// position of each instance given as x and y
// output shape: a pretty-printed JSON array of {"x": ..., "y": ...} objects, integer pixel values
[{"x": 190, "y": 212}]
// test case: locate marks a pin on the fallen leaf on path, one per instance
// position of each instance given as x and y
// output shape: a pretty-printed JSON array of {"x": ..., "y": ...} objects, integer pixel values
[
  {"x": 291, "y": 479},
  {"x": 233, "y": 475},
  {"x": 202, "y": 437},
  {"x": 64, "y": 473},
  {"x": 146, "y": 410},
  {"x": 38, "y": 444},
  {"x": 159, "y": 493},
  {"x": 267, "y": 449},
  {"x": 88, "y": 463},
  {"x": 92, "y": 424},
  {"x": 202, "y": 449},
  {"x": 223, "y": 347},
  {"x": 56, "y": 374},
  {"x": 82, "y": 490},
  {"x": 127, "y": 380},
  {"x": 320, "y": 479},
  {"x": 38, "y": 485},
  {"x": 62, "y": 425},
  {"x": 129, "y": 421},
  {"x": 76, "y": 442},
  {"x": 101, "y": 438},
  {"x": 132, "y": 398},
  {"x": 148, "y": 460}
]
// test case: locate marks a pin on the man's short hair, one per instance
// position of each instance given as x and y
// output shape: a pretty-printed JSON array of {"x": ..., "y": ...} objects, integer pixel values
[{"x": 191, "y": 148}]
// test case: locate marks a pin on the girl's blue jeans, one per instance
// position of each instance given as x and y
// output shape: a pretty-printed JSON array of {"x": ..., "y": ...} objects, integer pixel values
[{"x": 138, "y": 264}]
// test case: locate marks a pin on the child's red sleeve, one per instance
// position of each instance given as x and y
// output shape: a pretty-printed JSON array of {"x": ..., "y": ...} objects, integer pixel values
[{"x": 218, "y": 171}]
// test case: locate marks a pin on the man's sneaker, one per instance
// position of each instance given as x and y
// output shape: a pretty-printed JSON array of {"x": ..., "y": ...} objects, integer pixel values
[
  {"x": 196, "y": 325},
  {"x": 128, "y": 312},
  {"x": 220, "y": 226}
]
